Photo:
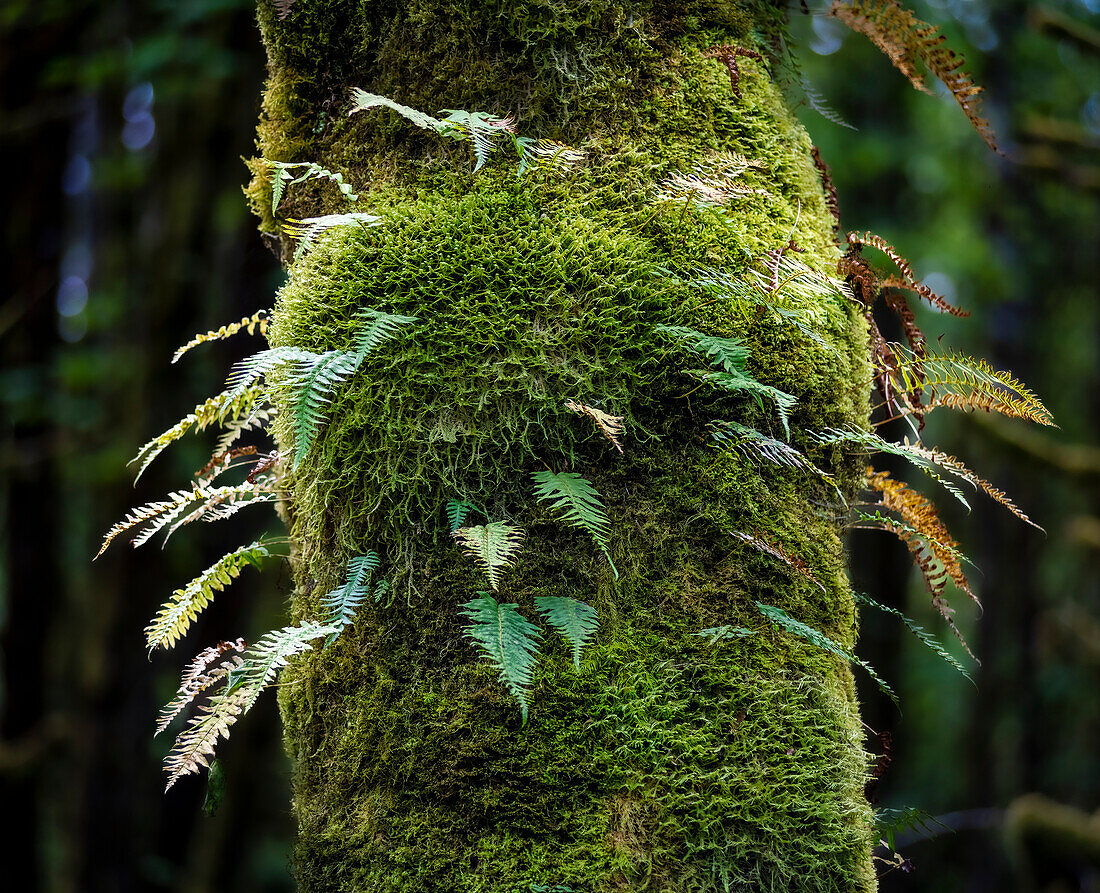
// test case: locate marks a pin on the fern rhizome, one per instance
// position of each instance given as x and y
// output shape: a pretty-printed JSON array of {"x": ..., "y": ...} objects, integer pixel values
[{"x": 579, "y": 409}]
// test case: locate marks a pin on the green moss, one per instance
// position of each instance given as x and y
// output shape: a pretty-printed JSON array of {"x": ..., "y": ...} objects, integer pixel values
[{"x": 667, "y": 763}]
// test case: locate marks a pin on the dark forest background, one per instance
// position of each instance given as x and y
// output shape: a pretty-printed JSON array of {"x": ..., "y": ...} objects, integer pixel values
[{"x": 122, "y": 127}]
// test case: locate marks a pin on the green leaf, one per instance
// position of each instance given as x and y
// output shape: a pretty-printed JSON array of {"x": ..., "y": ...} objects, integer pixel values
[
  {"x": 929, "y": 640},
  {"x": 508, "y": 640},
  {"x": 572, "y": 618},
  {"x": 493, "y": 545},
  {"x": 457, "y": 510},
  {"x": 341, "y": 604},
  {"x": 579, "y": 504}
]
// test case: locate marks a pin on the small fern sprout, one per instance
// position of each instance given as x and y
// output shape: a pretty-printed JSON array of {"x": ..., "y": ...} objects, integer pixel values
[
  {"x": 509, "y": 641},
  {"x": 308, "y": 229}
]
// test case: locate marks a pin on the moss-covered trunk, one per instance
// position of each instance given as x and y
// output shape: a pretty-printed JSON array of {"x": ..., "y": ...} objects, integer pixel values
[{"x": 669, "y": 761}]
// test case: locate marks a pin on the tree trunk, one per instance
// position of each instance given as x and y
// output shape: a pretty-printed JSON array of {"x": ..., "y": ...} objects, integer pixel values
[{"x": 667, "y": 762}]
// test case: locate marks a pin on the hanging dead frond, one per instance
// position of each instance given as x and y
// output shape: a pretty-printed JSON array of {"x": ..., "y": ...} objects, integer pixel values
[
  {"x": 209, "y": 666},
  {"x": 219, "y": 462},
  {"x": 728, "y": 55},
  {"x": 769, "y": 547},
  {"x": 611, "y": 426},
  {"x": 832, "y": 200},
  {"x": 908, "y": 41},
  {"x": 257, "y": 322},
  {"x": 907, "y": 280}
]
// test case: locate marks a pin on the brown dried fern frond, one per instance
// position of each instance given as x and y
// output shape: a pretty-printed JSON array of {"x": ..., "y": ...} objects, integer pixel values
[
  {"x": 832, "y": 200},
  {"x": 769, "y": 547},
  {"x": 209, "y": 666},
  {"x": 907, "y": 41},
  {"x": 611, "y": 426},
  {"x": 907, "y": 279},
  {"x": 728, "y": 54}
]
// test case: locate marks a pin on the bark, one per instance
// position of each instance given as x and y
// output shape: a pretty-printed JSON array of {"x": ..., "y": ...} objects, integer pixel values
[{"x": 667, "y": 762}]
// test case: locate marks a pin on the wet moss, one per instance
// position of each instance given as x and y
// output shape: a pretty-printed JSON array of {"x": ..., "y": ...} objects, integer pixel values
[{"x": 668, "y": 763}]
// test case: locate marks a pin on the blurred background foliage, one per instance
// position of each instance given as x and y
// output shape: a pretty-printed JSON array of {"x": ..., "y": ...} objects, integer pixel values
[{"x": 122, "y": 126}]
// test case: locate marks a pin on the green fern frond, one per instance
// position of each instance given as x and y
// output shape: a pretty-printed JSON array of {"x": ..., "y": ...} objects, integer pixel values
[
  {"x": 362, "y": 101},
  {"x": 818, "y": 639},
  {"x": 179, "y": 612},
  {"x": 579, "y": 504},
  {"x": 546, "y": 155},
  {"x": 340, "y": 605},
  {"x": 309, "y": 228},
  {"x": 493, "y": 545},
  {"x": 208, "y": 667},
  {"x": 508, "y": 640},
  {"x": 926, "y": 638},
  {"x": 310, "y": 391},
  {"x": 891, "y": 822},
  {"x": 245, "y": 373},
  {"x": 718, "y": 633},
  {"x": 752, "y": 445},
  {"x": 257, "y": 321},
  {"x": 457, "y": 512},
  {"x": 480, "y": 129},
  {"x": 224, "y": 407},
  {"x": 961, "y": 382},
  {"x": 380, "y": 328},
  {"x": 195, "y": 745},
  {"x": 575, "y": 620},
  {"x": 281, "y": 177}
]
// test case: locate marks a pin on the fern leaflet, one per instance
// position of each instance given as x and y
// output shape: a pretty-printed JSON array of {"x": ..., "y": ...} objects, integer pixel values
[
  {"x": 718, "y": 633},
  {"x": 770, "y": 547},
  {"x": 340, "y": 605},
  {"x": 364, "y": 101},
  {"x": 281, "y": 177},
  {"x": 457, "y": 511},
  {"x": 256, "y": 322},
  {"x": 926, "y": 638},
  {"x": 508, "y": 640},
  {"x": 579, "y": 504},
  {"x": 179, "y": 612},
  {"x": 309, "y": 228},
  {"x": 572, "y": 618},
  {"x": 493, "y": 545},
  {"x": 210, "y": 665}
]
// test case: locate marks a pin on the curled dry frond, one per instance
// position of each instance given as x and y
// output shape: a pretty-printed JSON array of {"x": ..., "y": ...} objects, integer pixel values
[
  {"x": 713, "y": 183},
  {"x": 611, "y": 426},
  {"x": 728, "y": 55},
  {"x": 180, "y": 611},
  {"x": 257, "y": 322},
  {"x": 209, "y": 666},
  {"x": 907, "y": 280},
  {"x": 769, "y": 547},
  {"x": 494, "y": 546},
  {"x": 905, "y": 40}
]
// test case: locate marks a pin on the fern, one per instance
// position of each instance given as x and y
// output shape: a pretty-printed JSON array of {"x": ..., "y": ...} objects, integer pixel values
[
  {"x": 818, "y": 639},
  {"x": 905, "y": 39},
  {"x": 178, "y": 613},
  {"x": 493, "y": 546},
  {"x": 832, "y": 200},
  {"x": 309, "y": 228},
  {"x": 575, "y": 620},
  {"x": 283, "y": 8},
  {"x": 457, "y": 511},
  {"x": 340, "y": 605},
  {"x": 194, "y": 746},
  {"x": 770, "y": 547},
  {"x": 362, "y": 101},
  {"x": 908, "y": 281},
  {"x": 728, "y": 56},
  {"x": 579, "y": 504},
  {"x": 611, "y": 426},
  {"x": 281, "y": 177},
  {"x": 508, "y": 640},
  {"x": 889, "y": 823},
  {"x": 480, "y": 129},
  {"x": 712, "y": 183},
  {"x": 256, "y": 322},
  {"x": 545, "y": 155},
  {"x": 718, "y": 633},
  {"x": 207, "y": 668},
  {"x": 752, "y": 445},
  {"x": 925, "y": 638}
]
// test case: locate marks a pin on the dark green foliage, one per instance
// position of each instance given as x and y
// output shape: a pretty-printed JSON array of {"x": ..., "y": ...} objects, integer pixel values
[
  {"x": 508, "y": 640},
  {"x": 341, "y": 604},
  {"x": 578, "y": 503},
  {"x": 572, "y": 618}
]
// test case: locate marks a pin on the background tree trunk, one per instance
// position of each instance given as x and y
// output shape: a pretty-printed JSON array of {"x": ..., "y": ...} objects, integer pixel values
[{"x": 667, "y": 762}]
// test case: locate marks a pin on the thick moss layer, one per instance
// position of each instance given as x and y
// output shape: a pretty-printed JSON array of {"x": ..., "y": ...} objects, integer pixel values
[{"x": 667, "y": 763}]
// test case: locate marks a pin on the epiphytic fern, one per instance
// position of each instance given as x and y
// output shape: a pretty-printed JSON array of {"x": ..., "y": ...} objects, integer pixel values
[
  {"x": 508, "y": 640},
  {"x": 962, "y": 382},
  {"x": 754, "y": 446},
  {"x": 226, "y": 408},
  {"x": 928, "y": 640},
  {"x": 905, "y": 39},
  {"x": 728, "y": 56},
  {"x": 308, "y": 229},
  {"x": 832, "y": 200},
  {"x": 480, "y": 129},
  {"x": 712, "y": 183},
  {"x": 769, "y": 547},
  {"x": 611, "y": 426},
  {"x": 574, "y": 619},
  {"x": 180, "y": 611},
  {"x": 579, "y": 504},
  {"x": 195, "y": 745},
  {"x": 256, "y": 322},
  {"x": 281, "y": 177},
  {"x": 363, "y": 101},
  {"x": 340, "y": 605},
  {"x": 818, "y": 639},
  {"x": 209, "y": 666},
  {"x": 545, "y": 155},
  {"x": 493, "y": 546},
  {"x": 283, "y": 8},
  {"x": 857, "y": 241},
  {"x": 718, "y": 633},
  {"x": 457, "y": 511}
]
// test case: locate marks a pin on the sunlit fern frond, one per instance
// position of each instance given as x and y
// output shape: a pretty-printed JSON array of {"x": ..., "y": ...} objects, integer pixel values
[
  {"x": 379, "y": 328},
  {"x": 257, "y": 322},
  {"x": 482, "y": 130},
  {"x": 923, "y": 635},
  {"x": 962, "y": 382},
  {"x": 179, "y": 612},
  {"x": 907, "y": 279},
  {"x": 769, "y": 547},
  {"x": 208, "y": 667},
  {"x": 611, "y": 426},
  {"x": 362, "y": 101},
  {"x": 340, "y": 606},
  {"x": 905, "y": 40},
  {"x": 194, "y": 746},
  {"x": 224, "y": 408},
  {"x": 730, "y": 354},
  {"x": 493, "y": 546},
  {"x": 509, "y": 641},
  {"x": 259, "y": 417},
  {"x": 818, "y": 639},
  {"x": 308, "y": 229},
  {"x": 283, "y": 174},
  {"x": 247, "y": 372},
  {"x": 575, "y": 620},
  {"x": 579, "y": 504},
  {"x": 546, "y": 155},
  {"x": 712, "y": 183}
]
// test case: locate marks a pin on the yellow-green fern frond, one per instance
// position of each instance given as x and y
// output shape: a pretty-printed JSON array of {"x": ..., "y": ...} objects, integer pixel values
[
  {"x": 494, "y": 546},
  {"x": 257, "y": 322},
  {"x": 179, "y": 612}
]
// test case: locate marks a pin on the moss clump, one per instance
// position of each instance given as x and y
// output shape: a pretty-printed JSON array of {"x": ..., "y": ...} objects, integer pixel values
[{"x": 668, "y": 763}]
